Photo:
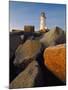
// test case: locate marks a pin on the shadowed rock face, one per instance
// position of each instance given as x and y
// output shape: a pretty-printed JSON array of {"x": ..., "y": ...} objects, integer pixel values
[
  {"x": 53, "y": 37},
  {"x": 25, "y": 52},
  {"x": 55, "y": 60},
  {"x": 15, "y": 40}
]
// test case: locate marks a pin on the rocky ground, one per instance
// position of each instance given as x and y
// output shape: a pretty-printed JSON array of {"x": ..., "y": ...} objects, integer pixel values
[{"x": 37, "y": 59}]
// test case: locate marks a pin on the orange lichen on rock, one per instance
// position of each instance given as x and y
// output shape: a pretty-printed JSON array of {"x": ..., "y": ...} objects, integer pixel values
[{"x": 55, "y": 60}]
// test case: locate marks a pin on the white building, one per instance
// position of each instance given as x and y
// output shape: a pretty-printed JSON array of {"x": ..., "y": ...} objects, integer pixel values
[{"x": 43, "y": 22}]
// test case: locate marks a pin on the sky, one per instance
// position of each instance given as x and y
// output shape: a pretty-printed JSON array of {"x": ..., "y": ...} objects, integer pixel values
[{"x": 28, "y": 13}]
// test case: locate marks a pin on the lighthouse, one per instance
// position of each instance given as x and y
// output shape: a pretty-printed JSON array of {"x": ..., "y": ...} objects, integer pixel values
[{"x": 43, "y": 22}]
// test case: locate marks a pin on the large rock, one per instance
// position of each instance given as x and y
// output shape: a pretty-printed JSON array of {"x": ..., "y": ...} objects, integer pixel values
[
  {"x": 27, "y": 77},
  {"x": 27, "y": 51},
  {"x": 55, "y": 60},
  {"x": 53, "y": 37}
]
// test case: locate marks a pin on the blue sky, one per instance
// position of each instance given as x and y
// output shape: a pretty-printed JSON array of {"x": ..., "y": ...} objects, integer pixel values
[{"x": 26, "y": 13}]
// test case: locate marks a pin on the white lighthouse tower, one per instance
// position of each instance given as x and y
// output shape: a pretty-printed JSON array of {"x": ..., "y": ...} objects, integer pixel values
[{"x": 43, "y": 22}]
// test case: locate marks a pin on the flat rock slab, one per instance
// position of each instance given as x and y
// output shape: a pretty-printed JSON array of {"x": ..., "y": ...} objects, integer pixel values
[
  {"x": 27, "y": 77},
  {"x": 55, "y": 60},
  {"x": 27, "y": 51}
]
